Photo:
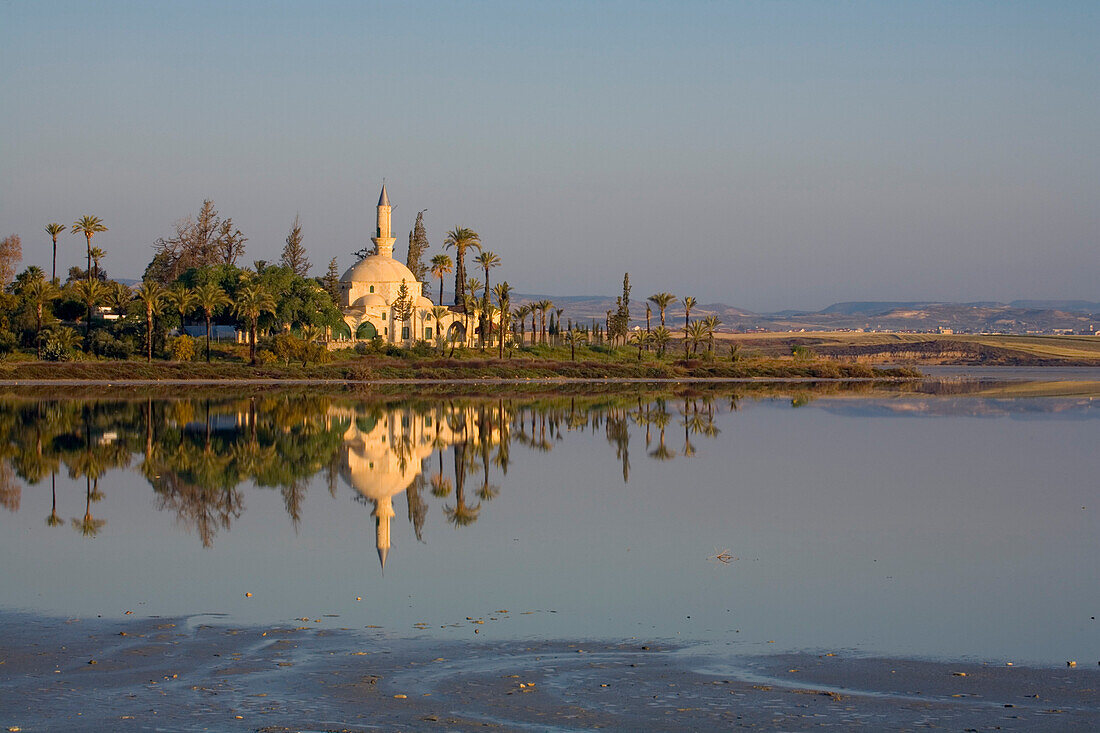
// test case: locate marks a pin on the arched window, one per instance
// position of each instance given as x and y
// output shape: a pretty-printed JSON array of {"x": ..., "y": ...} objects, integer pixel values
[
  {"x": 366, "y": 331},
  {"x": 372, "y": 288}
]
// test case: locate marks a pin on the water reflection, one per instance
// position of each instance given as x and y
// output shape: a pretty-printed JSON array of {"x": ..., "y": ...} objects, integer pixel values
[{"x": 200, "y": 456}]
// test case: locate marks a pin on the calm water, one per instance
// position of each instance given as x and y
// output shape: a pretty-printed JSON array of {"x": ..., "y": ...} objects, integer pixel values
[{"x": 905, "y": 524}]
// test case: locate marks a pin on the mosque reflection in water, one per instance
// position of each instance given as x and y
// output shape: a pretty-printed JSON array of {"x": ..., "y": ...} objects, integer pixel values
[{"x": 199, "y": 456}]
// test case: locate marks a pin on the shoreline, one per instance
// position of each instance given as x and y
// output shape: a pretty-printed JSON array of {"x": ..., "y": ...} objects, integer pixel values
[
  {"x": 297, "y": 382},
  {"x": 185, "y": 674}
]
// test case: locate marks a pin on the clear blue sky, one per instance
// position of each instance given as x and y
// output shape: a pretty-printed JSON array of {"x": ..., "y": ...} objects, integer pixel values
[{"x": 769, "y": 155}]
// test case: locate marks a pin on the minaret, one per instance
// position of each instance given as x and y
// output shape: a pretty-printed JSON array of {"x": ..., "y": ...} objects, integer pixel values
[
  {"x": 383, "y": 241},
  {"x": 383, "y": 513}
]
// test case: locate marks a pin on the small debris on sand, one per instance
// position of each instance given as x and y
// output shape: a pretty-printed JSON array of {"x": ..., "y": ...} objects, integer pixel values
[{"x": 722, "y": 556}]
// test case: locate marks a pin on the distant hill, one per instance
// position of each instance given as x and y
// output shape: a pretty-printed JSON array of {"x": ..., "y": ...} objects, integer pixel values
[
  {"x": 868, "y": 308},
  {"x": 1019, "y": 316},
  {"x": 1070, "y": 306}
]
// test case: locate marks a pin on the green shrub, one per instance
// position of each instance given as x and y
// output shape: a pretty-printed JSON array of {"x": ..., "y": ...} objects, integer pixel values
[
  {"x": 8, "y": 342},
  {"x": 182, "y": 348}
]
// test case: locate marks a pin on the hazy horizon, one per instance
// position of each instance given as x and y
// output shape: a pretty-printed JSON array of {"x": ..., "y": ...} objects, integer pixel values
[{"x": 769, "y": 156}]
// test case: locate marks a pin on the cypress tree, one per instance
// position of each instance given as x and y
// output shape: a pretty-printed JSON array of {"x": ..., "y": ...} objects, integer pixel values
[
  {"x": 331, "y": 281},
  {"x": 294, "y": 253},
  {"x": 418, "y": 243}
]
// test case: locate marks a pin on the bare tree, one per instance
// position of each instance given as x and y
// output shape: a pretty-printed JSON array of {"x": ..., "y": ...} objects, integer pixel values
[
  {"x": 11, "y": 253},
  {"x": 199, "y": 241}
]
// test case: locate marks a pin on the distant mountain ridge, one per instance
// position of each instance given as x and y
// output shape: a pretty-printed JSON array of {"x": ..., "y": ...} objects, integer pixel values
[{"x": 1019, "y": 316}]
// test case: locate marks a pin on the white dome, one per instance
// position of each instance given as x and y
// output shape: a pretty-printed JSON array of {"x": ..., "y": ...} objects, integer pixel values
[
  {"x": 378, "y": 269},
  {"x": 423, "y": 302},
  {"x": 370, "y": 300}
]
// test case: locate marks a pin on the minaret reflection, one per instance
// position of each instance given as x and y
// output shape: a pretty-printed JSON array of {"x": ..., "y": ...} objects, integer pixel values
[{"x": 384, "y": 451}]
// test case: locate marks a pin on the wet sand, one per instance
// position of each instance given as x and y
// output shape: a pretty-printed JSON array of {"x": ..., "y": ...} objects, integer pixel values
[{"x": 190, "y": 675}]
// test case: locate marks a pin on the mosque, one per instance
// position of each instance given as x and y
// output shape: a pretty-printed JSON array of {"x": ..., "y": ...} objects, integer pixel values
[
  {"x": 383, "y": 453},
  {"x": 370, "y": 287}
]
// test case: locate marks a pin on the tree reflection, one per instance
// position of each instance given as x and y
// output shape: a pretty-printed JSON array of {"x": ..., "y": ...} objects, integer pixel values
[
  {"x": 88, "y": 525},
  {"x": 201, "y": 457}
]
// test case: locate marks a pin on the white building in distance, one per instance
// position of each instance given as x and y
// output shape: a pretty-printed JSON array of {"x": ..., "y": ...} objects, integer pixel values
[{"x": 370, "y": 287}]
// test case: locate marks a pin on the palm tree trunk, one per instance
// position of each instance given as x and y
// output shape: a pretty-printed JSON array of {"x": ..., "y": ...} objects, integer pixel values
[
  {"x": 207, "y": 338},
  {"x": 149, "y": 336},
  {"x": 53, "y": 278},
  {"x": 441, "y": 288},
  {"x": 89, "y": 270}
]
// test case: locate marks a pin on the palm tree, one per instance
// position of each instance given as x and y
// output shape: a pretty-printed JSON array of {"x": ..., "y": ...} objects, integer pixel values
[
  {"x": 503, "y": 293},
  {"x": 151, "y": 295},
  {"x": 118, "y": 297},
  {"x": 39, "y": 292},
  {"x": 711, "y": 323},
  {"x": 441, "y": 265},
  {"x": 689, "y": 303},
  {"x": 640, "y": 339},
  {"x": 573, "y": 337},
  {"x": 543, "y": 306},
  {"x": 461, "y": 238},
  {"x": 661, "y": 337},
  {"x": 520, "y": 314},
  {"x": 558, "y": 312},
  {"x": 662, "y": 301},
  {"x": 91, "y": 293},
  {"x": 253, "y": 300},
  {"x": 210, "y": 298},
  {"x": 62, "y": 340},
  {"x": 470, "y": 311},
  {"x": 97, "y": 255},
  {"x": 696, "y": 332},
  {"x": 182, "y": 300},
  {"x": 53, "y": 229},
  {"x": 312, "y": 333},
  {"x": 487, "y": 260},
  {"x": 472, "y": 303},
  {"x": 88, "y": 226},
  {"x": 439, "y": 312},
  {"x": 488, "y": 312}
]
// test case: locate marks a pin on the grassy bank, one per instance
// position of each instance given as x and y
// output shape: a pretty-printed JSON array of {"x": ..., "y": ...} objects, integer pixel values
[
  {"x": 541, "y": 363},
  {"x": 921, "y": 348}
]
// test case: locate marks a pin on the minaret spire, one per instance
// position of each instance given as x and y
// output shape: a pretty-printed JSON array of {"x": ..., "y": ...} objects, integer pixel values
[
  {"x": 382, "y": 239},
  {"x": 383, "y": 513}
]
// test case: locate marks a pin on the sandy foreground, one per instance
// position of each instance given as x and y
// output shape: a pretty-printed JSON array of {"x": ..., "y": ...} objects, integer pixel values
[{"x": 188, "y": 675}]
